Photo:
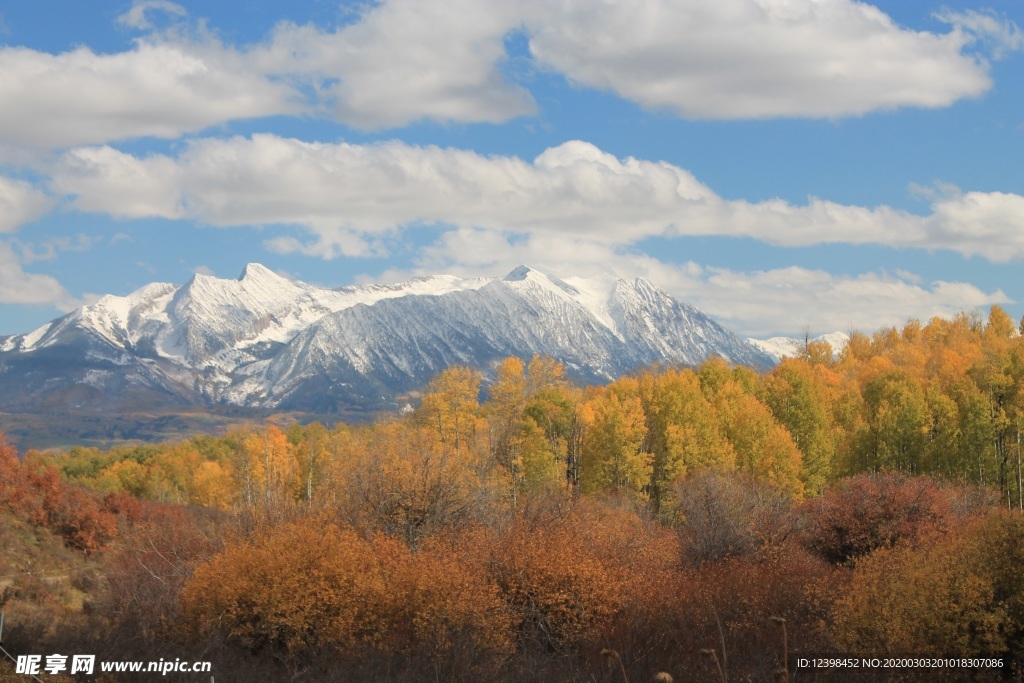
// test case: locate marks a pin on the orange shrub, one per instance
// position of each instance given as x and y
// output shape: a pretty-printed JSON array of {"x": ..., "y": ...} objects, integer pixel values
[
  {"x": 307, "y": 585},
  {"x": 291, "y": 589},
  {"x": 557, "y": 585},
  {"x": 960, "y": 595},
  {"x": 737, "y": 599},
  {"x": 10, "y": 471},
  {"x": 720, "y": 515},
  {"x": 639, "y": 555},
  {"x": 934, "y": 600},
  {"x": 440, "y": 598}
]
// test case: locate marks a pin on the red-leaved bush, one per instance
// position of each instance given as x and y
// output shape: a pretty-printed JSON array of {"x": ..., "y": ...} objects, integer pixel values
[
  {"x": 871, "y": 511},
  {"x": 39, "y": 496}
]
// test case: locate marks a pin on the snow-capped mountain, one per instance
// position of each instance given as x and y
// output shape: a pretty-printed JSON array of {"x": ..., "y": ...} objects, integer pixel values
[
  {"x": 790, "y": 347},
  {"x": 266, "y": 341}
]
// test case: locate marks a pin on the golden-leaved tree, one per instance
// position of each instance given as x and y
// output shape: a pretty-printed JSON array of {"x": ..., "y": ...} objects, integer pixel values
[
  {"x": 763, "y": 447},
  {"x": 266, "y": 476},
  {"x": 682, "y": 431},
  {"x": 613, "y": 458},
  {"x": 450, "y": 405}
]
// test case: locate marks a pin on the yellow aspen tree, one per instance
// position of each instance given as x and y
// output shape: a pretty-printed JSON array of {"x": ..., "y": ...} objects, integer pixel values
[
  {"x": 682, "y": 432},
  {"x": 802, "y": 396},
  {"x": 553, "y": 406},
  {"x": 170, "y": 473},
  {"x": 763, "y": 447},
  {"x": 505, "y": 415},
  {"x": 713, "y": 374},
  {"x": 212, "y": 486},
  {"x": 271, "y": 472},
  {"x": 405, "y": 484},
  {"x": 311, "y": 444},
  {"x": 450, "y": 406},
  {"x": 544, "y": 373},
  {"x": 613, "y": 459},
  {"x": 1000, "y": 324},
  {"x": 898, "y": 420},
  {"x": 130, "y": 477}
]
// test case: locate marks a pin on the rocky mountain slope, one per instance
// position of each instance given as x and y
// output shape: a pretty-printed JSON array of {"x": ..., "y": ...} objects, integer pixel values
[{"x": 266, "y": 341}]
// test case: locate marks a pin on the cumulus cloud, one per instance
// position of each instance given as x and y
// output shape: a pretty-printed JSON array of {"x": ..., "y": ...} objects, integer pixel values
[
  {"x": 20, "y": 203},
  {"x": 989, "y": 224},
  {"x": 19, "y": 287},
  {"x": 730, "y": 59},
  {"x": 161, "y": 88},
  {"x": 336, "y": 190},
  {"x": 759, "y": 303},
  {"x": 406, "y": 60},
  {"x": 347, "y": 196},
  {"x": 740, "y": 59},
  {"x": 402, "y": 61},
  {"x": 754, "y": 303},
  {"x": 105, "y": 180}
]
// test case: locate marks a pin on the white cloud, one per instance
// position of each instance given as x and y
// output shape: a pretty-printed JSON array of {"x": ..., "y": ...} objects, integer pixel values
[
  {"x": 105, "y": 180},
  {"x": 20, "y": 203},
  {"x": 136, "y": 17},
  {"x": 160, "y": 89},
  {"x": 19, "y": 287},
  {"x": 402, "y": 61},
  {"x": 337, "y": 190},
  {"x": 989, "y": 224},
  {"x": 756, "y": 303},
  {"x": 48, "y": 249},
  {"x": 729, "y": 59},
  {"x": 406, "y": 60},
  {"x": 998, "y": 33},
  {"x": 348, "y": 196},
  {"x": 330, "y": 243},
  {"x": 739, "y": 59},
  {"x": 784, "y": 301}
]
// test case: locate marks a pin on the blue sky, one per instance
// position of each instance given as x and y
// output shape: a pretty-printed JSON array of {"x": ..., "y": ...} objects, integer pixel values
[{"x": 780, "y": 164}]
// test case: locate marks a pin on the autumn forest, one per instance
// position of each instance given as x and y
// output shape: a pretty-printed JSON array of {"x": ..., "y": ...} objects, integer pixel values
[{"x": 698, "y": 524}]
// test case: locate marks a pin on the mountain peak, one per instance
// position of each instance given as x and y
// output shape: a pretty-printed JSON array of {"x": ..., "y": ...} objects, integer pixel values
[
  {"x": 258, "y": 271},
  {"x": 532, "y": 275},
  {"x": 519, "y": 273}
]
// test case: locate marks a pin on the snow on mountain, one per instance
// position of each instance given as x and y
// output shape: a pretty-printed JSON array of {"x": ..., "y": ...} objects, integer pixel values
[
  {"x": 790, "y": 347},
  {"x": 265, "y": 340}
]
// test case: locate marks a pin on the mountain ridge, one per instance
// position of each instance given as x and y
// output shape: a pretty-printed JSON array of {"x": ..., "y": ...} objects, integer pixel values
[{"x": 263, "y": 340}]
